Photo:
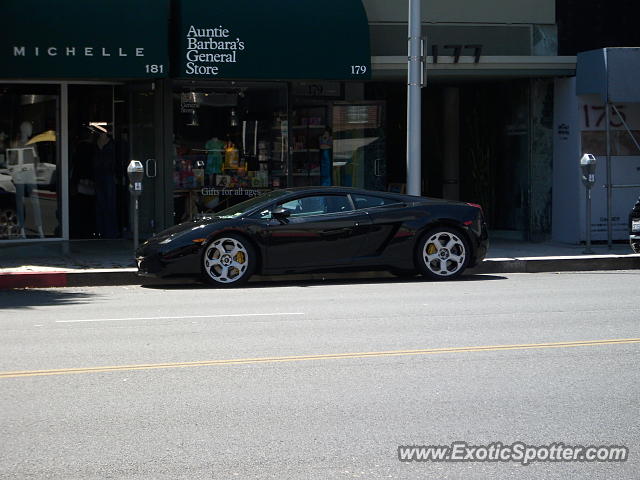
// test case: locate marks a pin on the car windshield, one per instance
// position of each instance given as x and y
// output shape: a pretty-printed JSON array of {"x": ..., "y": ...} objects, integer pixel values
[{"x": 243, "y": 207}]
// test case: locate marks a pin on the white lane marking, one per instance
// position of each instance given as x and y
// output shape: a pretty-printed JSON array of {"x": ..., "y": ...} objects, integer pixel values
[{"x": 180, "y": 318}]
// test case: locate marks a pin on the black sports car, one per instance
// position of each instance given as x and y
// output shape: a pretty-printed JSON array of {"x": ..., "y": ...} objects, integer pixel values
[
  {"x": 298, "y": 230},
  {"x": 634, "y": 227}
]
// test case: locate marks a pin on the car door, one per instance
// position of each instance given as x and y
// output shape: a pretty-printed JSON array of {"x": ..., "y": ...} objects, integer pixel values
[
  {"x": 322, "y": 230},
  {"x": 387, "y": 216}
]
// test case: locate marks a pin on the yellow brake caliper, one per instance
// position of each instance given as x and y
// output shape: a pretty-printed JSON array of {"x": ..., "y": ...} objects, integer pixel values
[{"x": 431, "y": 249}]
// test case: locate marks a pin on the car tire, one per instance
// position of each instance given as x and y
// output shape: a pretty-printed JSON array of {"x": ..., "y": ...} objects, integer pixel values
[
  {"x": 442, "y": 253},
  {"x": 635, "y": 246},
  {"x": 228, "y": 261}
]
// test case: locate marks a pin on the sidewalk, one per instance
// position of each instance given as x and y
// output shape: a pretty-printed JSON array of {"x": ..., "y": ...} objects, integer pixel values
[{"x": 110, "y": 262}]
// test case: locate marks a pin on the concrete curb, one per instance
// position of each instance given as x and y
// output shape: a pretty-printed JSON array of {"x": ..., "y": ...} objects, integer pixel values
[
  {"x": 128, "y": 276},
  {"x": 558, "y": 264}
]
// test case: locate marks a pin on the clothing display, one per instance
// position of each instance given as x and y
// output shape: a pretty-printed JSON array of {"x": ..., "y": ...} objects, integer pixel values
[
  {"x": 215, "y": 148},
  {"x": 22, "y": 165},
  {"x": 231, "y": 156}
]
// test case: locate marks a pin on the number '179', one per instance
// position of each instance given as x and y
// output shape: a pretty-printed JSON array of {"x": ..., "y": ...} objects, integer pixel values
[{"x": 358, "y": 69}]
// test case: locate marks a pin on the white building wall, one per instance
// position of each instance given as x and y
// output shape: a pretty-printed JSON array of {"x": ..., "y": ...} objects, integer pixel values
[
  {"x": 567, "y": 188},
  {"x": 579, "y": 127}
]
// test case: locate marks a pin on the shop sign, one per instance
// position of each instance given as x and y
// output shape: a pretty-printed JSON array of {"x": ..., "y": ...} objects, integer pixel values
[
  {"x": 279, "y": 39},
  {"x": 67, "y": 38}
]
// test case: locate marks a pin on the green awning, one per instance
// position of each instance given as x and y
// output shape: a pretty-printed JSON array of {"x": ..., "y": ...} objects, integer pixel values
[
  {"x": 84, "y": 39},
  {"x": 272, "y": 39}
]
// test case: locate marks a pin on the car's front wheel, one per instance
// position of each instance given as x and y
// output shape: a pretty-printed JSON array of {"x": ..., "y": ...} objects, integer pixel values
[
  {"x": 228, "y": 261},
  {"x": 442, "y": 253}
]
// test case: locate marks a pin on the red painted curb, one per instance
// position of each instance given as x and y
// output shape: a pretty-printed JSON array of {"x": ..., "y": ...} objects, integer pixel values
[{"x": 32, "y": 280}]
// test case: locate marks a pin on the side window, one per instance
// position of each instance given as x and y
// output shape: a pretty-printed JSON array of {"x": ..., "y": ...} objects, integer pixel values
[
  {"x": 317, "y": 205},
  {"x": 368, "y": 201}
]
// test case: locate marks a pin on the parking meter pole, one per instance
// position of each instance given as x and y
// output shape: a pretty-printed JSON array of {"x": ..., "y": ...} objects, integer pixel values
[
  {"x": 588, "y": 250},
  {"x": 609, "y": 176},
  {"x": 588, "y": 177},
  {"x": 135, "y": 171},
  {"x": 135, "y": 221}
]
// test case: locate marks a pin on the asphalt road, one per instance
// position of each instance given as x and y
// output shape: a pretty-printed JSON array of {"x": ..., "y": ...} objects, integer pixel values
[{"x": 319, "y": 380}]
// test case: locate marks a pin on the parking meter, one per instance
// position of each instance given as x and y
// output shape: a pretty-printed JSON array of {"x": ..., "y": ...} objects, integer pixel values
[
  {"x": 135, "y": 171},
  {"x": 588, "y": 170},
  {"x": 588, "y": 177}
]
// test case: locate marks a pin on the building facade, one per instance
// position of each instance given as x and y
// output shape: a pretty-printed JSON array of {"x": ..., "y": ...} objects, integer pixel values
[{"x": 224, "y": 100}]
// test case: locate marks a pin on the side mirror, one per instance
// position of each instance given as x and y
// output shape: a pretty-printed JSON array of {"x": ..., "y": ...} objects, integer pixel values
[{"x": 280, "y": 213}]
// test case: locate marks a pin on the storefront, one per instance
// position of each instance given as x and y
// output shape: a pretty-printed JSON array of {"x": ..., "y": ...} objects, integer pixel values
[
  {"x": 244, "y": 104},
  {"x": 606, "y": 79},
  {"x": 71, "y": 93},
  {"x": 265, "y": 100}
]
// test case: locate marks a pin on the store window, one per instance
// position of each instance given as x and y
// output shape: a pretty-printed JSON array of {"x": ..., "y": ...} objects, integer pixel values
[
  {"x": 231, "y": 142},
  {"x": 30, "y": 202},
  {"x": 338, "y": 143}
]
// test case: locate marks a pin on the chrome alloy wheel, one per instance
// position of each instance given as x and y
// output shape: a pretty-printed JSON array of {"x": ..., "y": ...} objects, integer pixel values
[
  {"x": 444, "y": 254},
  {"x": 226, "y": 260}
]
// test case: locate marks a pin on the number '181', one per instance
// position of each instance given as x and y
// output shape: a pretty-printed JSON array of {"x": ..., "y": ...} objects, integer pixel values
[{"x": 154, "y": 68}]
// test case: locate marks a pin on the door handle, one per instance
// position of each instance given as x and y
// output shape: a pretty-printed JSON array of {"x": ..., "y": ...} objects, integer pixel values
[{"x": 151, "y": 168}]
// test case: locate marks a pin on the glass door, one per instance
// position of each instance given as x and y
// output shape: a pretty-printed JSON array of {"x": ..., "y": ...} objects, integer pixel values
[
  {"x": 110, "y": 125},
  {"x": 136, "y": 110},
  {"x": 358, "y": 143},
  {"x": 96, "y": 164}
]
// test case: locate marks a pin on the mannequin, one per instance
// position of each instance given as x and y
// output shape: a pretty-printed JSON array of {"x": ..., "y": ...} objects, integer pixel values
[
  {"x": 23, "y": 169},
  {"x": 104, "y": 164}
]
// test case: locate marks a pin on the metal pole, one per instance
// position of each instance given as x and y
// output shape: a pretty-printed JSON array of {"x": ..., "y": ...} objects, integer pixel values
[
  {"x": 414, "y": 101},
  {"x": 609, "y": 180},
  {"x": 607, "y": 109},
  {"x": 588, "y": 225},
  {"x": 135, "y": 223}
]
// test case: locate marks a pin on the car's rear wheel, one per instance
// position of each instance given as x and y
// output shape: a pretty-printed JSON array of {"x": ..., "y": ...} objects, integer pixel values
[
  {"x": 228, "y": 261},
  {"x": 442, "y": 253},
  {"x": 635, "y": 245}
]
